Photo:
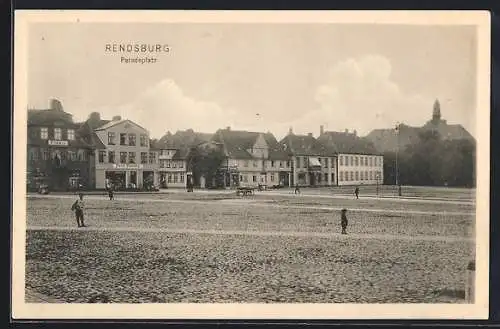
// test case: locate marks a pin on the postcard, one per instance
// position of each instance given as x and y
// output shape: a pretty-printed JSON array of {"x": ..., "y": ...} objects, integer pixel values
[{"x": 251, "y": 165}]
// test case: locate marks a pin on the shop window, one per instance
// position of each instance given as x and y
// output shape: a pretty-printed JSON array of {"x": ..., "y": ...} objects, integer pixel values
[
  {"x": 181, "y": 176},
  {"x": 175, "y": 178},
  {"x": 44, "y": 133},
  {"x": 131, "y": 139},
  {"x": 169, "y": 178}
]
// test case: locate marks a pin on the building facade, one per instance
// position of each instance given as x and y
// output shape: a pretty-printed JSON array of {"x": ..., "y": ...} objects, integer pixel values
[
  {"x": 56, "y": 155},
  {"x": 252, "y": 159},
  {"x": 312, "y": 163},
  {"x": 172, "y": 169},
  {"x": 126, "y": 160},
  {"x": 358, "y": 162}
]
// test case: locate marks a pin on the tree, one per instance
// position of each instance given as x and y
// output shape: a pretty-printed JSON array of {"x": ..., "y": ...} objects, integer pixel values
[{"x": 205, "y": 161}]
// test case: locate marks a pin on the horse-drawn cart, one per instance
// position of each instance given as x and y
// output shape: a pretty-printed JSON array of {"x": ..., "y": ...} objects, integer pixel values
[{"x": 245, "y": 191}]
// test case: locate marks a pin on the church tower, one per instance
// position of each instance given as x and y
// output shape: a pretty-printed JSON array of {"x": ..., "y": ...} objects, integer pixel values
[{"x": 436, "y": 112}]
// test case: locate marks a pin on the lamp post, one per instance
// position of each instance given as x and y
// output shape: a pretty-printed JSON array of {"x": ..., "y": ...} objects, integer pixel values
[{"x": 398, "y": 183}]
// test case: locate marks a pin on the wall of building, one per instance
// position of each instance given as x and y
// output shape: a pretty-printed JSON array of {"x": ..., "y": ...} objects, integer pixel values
[
  {"x": 327, "y": 174},
  {"x": 359, "y": 169}
]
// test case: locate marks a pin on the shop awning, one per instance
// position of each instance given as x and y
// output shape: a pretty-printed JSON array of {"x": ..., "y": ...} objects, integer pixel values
[{"x": 314, "y": 162}]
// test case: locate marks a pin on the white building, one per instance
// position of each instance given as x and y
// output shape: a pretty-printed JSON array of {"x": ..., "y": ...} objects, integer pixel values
[
  {"x": 358, "y": 162},
  {"x": 126, "y": 161}
]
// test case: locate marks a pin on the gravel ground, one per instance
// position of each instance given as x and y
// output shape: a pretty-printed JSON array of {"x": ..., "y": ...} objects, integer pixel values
[{"x": 75, "y": 265}]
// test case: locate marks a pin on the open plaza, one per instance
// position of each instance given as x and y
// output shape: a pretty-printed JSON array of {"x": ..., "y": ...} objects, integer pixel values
[{"x": 271, "y": 247}]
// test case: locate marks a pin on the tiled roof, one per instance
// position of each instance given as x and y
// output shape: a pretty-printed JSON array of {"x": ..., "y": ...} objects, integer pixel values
[
  {"x": 113, "y": 123},
  {"x": 305, "y": 145},
  {"x": 342, "y": 142},
  {"x": 183, "y": 138},
  {"x": 276, "y": 150},
  {"x": 49, "y": 117}
]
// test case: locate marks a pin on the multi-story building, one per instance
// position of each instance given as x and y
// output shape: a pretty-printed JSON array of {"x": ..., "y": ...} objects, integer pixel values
[
  {"x": 252, "y": 158},
  {"x": 123, "y": 157},
  {"x": 358, "y": 161},
  {"x": 174, "y": 156},
  {"x": 57, "y": 156},
  {"x": 313, "y": 164}
]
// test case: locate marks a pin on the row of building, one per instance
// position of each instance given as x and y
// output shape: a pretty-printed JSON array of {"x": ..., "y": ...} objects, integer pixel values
[{"x": 100, "y": 153}]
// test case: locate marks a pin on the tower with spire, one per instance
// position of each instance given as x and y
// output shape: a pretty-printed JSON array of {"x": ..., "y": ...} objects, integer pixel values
[{"x": 436, "y": 112}]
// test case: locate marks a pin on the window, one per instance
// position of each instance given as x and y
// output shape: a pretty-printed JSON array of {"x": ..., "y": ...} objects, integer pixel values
[
  {"x": 272, "y": 164},
  {"x": 371, "y": 162},
  {"x": 254, "y": 178},
  {"x": 131, "y": 139},
  {"x": 181, "y": 164},
  {"x": 123, "y": 157},
  {"x": 111, "y": 157},
  {"x": 144, "y": 157},
  {"x": 44, "y": 133},
  {"x": 71, "y": 134},
  {"x": 245, "y": 163},
  {"x": 144, "y": 140},
  {"x": 152, "y": 157},
  {"x": 333, "y": 178},
  {"x": 272, "y": 178},
  {"x": 72, "y": 155},
  {"x": 356, "y": 175},
  {"x": 175, "y": 178},
  {"x": 341, "y": 160},
  {"x": 45, "y": 154},
  {"x": 168, "y": 164},
  {"x": 255, "y": 164},
  {"x": 111, "y": 138},
  {"x": 32, "y": 155},
  {"x": 356, "y": 161},
  {"x": 81, "y": 155},
  {"x": 57, "y": 134},
  {"x": 326, "y": 163},
  {"x": 352, "y": 175},
  {"x": 102, "y": 155},
  {"x": 281, "y": 164},
  {"x": 366, "y": 161},
  {"x": 131, "y": 157},
  {"x": 241, "y": 178},
  {"x": 366, "y": 175},
  {"x": 245, "y": 179},
  {"x": 123, "y": 139},
  {"x": 169, "y": 179},
  {"x": 174, "y": 164},
  {"x": 326, "y": 177},
  {"x": 181, "y": 176}
]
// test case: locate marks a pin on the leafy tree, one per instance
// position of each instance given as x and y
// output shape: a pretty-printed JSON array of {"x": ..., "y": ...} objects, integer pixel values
[{"x": 205, "y": 161}]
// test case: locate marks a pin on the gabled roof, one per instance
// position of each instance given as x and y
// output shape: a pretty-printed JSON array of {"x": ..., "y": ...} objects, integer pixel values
[
  {"x": 347, "y": 143},
  {"x": 305, "y": 145},
  {"x": 110, "y": 124},
  {"x": 276, "y": 150},
  {"x": 236, "y": 142}
]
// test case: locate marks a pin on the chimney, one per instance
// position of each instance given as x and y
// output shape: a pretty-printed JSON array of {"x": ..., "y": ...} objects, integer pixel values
[
  {"x": 290, "y": 131},
  {"x": 346, "y": 131},
  {"x": 228, "y": 128},
  {"x": 95, "y": 116},
  {"x": 55, "y": 104},
  {"x": 321, "y": 130},
  {"x": 117, "y": 118},
  {"x": 355, "y": 133}
]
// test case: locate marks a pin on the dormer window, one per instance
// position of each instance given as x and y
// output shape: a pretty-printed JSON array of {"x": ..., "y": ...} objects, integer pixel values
[
  {"x": 71, "y": 134},
  {"x": 57, "y": 134}
]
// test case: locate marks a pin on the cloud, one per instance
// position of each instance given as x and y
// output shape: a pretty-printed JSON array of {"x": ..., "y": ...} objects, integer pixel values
[
  {"x": 359, "y": 94},
  {"x": 165, "y": 107}
]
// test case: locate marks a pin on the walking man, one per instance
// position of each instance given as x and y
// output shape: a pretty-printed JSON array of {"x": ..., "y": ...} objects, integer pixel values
[
  {"x": 343, "y": 221},
  {"x": 297, "y": 189},
  {"x": 78, "y": 207},
  {"x": 110, "y": 193},
  {"x": 356, "y": 192}
]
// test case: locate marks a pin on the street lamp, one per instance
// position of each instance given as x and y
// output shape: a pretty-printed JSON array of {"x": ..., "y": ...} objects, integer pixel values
[{"x": 398, "y": 183}]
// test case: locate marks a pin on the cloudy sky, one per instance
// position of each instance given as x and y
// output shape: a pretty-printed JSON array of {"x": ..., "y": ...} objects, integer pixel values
[{"x": 258, "y": 77}]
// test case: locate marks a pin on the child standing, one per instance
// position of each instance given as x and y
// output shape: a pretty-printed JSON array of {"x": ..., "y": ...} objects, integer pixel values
[
  {"x": 356, "y": 192},
  {"x": 78, "y": 207},
  {"x": 343, "y": 220}
]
